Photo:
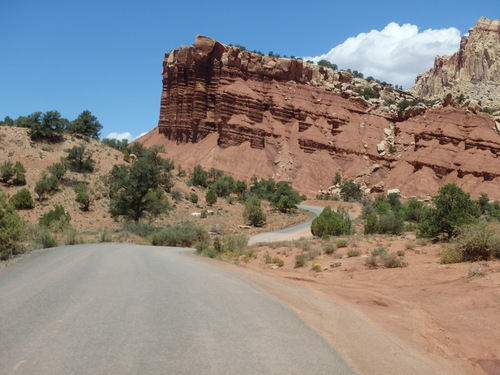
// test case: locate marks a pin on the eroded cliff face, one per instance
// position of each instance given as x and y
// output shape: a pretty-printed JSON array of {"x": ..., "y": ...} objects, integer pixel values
[
  {"x": 249, "y": 114},
  {"x": 473, "y": 71}
]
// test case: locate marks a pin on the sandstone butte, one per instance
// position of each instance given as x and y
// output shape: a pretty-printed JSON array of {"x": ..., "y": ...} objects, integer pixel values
[
  {"x": 473, "y": 71},
  {"x": 249, "y": 114}
]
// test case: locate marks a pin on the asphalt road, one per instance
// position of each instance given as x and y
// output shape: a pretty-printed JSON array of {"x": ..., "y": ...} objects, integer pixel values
[
  {"x": 293, "y": 232},
  {"x": 127, "y": 309}
]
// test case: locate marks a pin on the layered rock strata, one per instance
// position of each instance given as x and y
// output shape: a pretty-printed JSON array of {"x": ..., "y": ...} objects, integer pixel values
[
  {"x": 473, "y": 72},
  {"x": 249, "y": 114}
]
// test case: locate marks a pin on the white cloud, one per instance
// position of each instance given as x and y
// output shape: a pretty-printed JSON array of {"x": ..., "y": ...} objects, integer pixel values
[
  {"x": 125, "y": 135},
  {"x": 397, "y": 54}
]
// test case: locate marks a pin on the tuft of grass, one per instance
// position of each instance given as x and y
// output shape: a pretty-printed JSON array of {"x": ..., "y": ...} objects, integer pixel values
[
  {"x": 371, "y": 262},
  {"x": 329, "y": 248},
  {"x": 379, "y": 251},
  {"x": 392, "y": 261},
  {"x": 475, "y": 271},
  {"x": 300, "y": 260},
  {"x": 353, "y": 253},
  {"x": 341, "y": 243}
]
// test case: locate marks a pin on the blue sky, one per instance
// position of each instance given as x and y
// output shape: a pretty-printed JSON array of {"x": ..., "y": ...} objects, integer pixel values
[{"x": 106, "y": 56}]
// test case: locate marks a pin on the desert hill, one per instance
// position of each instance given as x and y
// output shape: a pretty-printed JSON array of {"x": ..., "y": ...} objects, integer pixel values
[
  {"x": 249, "y": 114},
  {"x": 16, "y": 146}
]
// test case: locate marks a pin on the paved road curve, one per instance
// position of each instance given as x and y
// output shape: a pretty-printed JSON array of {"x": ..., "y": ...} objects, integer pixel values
[
  {"x": 289, "y": 233},
  {"x": 127, "y": 309}
]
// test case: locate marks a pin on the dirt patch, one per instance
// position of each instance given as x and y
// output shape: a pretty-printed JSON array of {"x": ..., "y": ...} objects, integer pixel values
[{"x": 448, "y": 316}]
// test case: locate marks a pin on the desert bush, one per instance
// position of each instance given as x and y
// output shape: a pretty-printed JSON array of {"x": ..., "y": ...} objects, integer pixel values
[
  {"x": 11, "y": 230},
  {"x": 353, "y": 253},
  {"x": 329, "y": 248},
  {"x": 253, "y": 213},
  {"x": 453, "y": 208},
  {"x": 176, "y": 195},
  {"x": 15, "y": 172},
  {"x": 204, "y": 214},
  {"x": 211, "y": 197},
  {"x": 372, "y": 224},
  {"x": 391, "y": 224},
  {"x": 371, "y": 262},
  {"x": 57, "y": 214},
  {"x": 186, "y": 234},
  {"x": 7, "y": 171},
  {"x": 58, "y": 170},
  {"x": 42, "y": 237},
  {"x": 79, "y": 160},
  {"x": 379, "y": 251},
  {"x": 105, "y": 236},
  {"x": 350, "y": 191},
  {"x": 301, "y": 260},
  {"x": 45, "y": 185},
  {"x": 332, "y": 223},
  {"x": 475, "y": 271},
  {"x": 22, "y": 200},
  {"x": 71, "y": 237},
  {"x": 473, "y": 242},
  {"x": 391, "y": 261},
  {"x": 236, "y": 244},
  {"x": 193, "y": 198},
  {"x": 82, "y": 197},
  {"x": 139, "y": 228},
  {"x": 341, "y": 243}
]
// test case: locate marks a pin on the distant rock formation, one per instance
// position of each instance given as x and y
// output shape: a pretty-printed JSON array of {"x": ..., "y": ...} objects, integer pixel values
[
  {"x": 249, "y": 114},
  {"x": 473, "y": 72}
]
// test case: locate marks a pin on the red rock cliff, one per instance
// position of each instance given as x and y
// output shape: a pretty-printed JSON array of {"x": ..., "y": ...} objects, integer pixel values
[{"x": 249, "y": 114}]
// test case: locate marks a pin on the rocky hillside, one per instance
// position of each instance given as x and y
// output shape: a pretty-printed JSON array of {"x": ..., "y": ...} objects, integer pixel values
[
  {"x": 249, "y": 114},
  {"x": 473, "y": 71}
]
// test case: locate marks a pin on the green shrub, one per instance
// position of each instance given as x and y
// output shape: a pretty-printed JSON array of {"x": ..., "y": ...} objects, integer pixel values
[
  {"x": 79, "y": 160},
  {"x": 341, "y": 243},
  {"x": 379, "y": 251},
  {"x": 392, "y": 261},
  {"x": 22, "y": 200},
  {"x": 58, "y": 170},
  {"x": 57, "y": 214},
  {"x": 204, "y": 214},
  {"x": 139, "y": 228},
  {"x": 82, "y": 197},
  {"x": 7, "y": 171},
  {"x": 253, "y": 213},
  {"x": 353, "y": 253},
  {"x": 372, "y": 224},
  {"x": 452, "y": 208},
  {"x": 473, "y": 242},
  {"x": 11, "y": 230},
  {"x": 350, "y": 191},
  {"x": 211, "y": 197},
  {"x": 193, "y": 198},
  {"x": 329, "y": 248},
  {"x": 391, "y": 224},
  {"x": 105, "y": 236},
  {"x": 176, "y": 195},
  {"x": 301, "y": 260},
  {"x": 71, "y": 237},
  {"x": 332, "y": 223},
  {"x": 371, "y": 262},
  {"x": 43, "y": 237},
  {"x": 187, "y": 234}
]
